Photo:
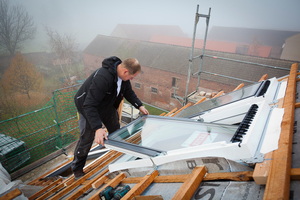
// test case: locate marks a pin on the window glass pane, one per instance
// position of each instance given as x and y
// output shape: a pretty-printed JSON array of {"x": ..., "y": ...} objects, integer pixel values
[
  {"x": 219, "y": 101},
  {"x": 166, "y": 133}
]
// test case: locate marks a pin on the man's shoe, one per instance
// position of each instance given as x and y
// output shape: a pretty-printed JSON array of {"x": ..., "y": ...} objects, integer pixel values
[{"x": 78, "y": 174}]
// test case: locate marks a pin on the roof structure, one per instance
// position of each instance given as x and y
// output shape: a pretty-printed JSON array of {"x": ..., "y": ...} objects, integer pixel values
[
  {"x": 145, "y": 32},
  {"x": 271, "y": 178},
  {"x": 291, "y": 48},
  {"x": 246, "y": 35},
  {"x": 175, "y": 59}
]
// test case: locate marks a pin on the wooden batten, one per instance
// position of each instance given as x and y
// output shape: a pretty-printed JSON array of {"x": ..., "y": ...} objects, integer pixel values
[
  {"x": 141, "y": 186},
  {"x": 189, "y": 187},
  {"x": 113, "y": 183},
  {"x": 11, "y": 195}
]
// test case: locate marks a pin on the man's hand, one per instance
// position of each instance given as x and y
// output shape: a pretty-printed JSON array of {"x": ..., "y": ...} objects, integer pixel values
[
  {"x": 143, "y": 110},
  {"x": 99, "y": 135}
]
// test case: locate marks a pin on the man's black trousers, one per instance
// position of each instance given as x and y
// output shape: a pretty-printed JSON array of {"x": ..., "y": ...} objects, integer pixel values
[{"x": 87, "y": 135}]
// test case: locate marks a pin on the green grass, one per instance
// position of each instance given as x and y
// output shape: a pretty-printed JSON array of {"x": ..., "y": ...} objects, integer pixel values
[{"x": 151, "y": 110}]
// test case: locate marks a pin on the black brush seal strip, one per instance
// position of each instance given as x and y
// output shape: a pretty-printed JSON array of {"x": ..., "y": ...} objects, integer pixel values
[
  {"x": 245, "y": 124},
  {"x": 264, "y": 88}
]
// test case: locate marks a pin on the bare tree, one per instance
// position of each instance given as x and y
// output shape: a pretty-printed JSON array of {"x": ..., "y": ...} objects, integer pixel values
[
  {"x": 64, "y": 47},
  {"x": 16, "y": 27}
]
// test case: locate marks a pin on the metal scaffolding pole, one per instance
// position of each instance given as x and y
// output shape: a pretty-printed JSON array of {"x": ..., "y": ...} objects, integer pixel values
[{"x": 197, "y": 16}]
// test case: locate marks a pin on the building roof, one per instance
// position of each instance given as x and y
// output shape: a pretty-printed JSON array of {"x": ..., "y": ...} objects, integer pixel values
[
  {"x": 246, "y": 35},
  {"x": 185, "y": 178},
  {"x": 176, "y": 59},
  {"x": 291, "y": 49},
  {"x": 145, "y": 32}
]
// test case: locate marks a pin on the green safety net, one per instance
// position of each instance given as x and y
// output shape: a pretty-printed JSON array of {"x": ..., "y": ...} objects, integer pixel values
[{"x": 29, "y": 137}]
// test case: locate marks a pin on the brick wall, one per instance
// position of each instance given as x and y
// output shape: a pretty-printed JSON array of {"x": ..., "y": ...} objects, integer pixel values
[{"x": 161, "y": 80}]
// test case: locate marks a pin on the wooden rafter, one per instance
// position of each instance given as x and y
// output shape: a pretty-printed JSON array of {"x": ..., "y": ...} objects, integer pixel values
[
  {"x": 263, "y": 78},
  {"x": 278, "y": 183},
  {"x": 201, "y": 100},
  {"x": 169, "y": 113},
  {"x": 219, "y": 94},
  {"x": 239, "y": 86},
  {"x": 184, "y": 107}
]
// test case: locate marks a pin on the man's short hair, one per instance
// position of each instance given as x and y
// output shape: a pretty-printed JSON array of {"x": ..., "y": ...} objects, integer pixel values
[{"x": 132, "y": 65}]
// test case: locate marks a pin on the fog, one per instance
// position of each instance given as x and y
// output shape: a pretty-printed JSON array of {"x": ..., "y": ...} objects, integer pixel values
[{"x": 86, "y": 19}]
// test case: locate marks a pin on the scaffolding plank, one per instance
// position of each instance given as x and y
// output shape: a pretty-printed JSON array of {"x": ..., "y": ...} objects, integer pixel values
[
  {"x": 113, "y": 183},
  {"x": 278, "y": 182},
  {"x": 188, "y": 188},
  {"x": 11, "y": 195},
  {"x": 142, "y": 185}
]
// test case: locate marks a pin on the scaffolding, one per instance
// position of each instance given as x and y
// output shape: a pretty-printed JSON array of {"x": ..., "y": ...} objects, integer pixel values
[{"x": 183, "y": 100}]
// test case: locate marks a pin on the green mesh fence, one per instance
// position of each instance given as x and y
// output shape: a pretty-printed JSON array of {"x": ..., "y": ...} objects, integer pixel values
[{"x": 34, "y": 135}]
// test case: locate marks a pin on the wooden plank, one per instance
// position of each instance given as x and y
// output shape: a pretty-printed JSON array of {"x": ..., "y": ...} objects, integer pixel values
[
  {"x": 99, "y": 182},
  {"x": 141, "y": 186},
  {"x": 52, "y": 191},
  {"x": 82, "y": 190},
  {"x": 49, "y": 172},
  {"x": 86, "y": 176},
  {"x": 297, "y": 105},
  {"x": 261, "y": 169},
  {"x": 189, "y": 187},
  {"x": 239, "y": 86},
  {"x": 200, "y": 101},
  {"x": 169, "y": 113},
  {"x": 11, "y": 195},
  {"x": 45, "y": 189},
  {"x": 92, "y": 166},
  {"x": 278, "y": 183},
  {"x": 223, "y": 176},
  {"x": 263, "y": 78},
  {"x": 219, "y": 94},
  {"x": 113, "y": 183},
  {"x": 295, "y": 174},
  {"x": 184, "y": 107},
  {"x": 298, "y": 79}
]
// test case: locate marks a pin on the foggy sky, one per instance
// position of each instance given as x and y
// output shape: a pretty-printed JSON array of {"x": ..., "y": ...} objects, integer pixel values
[{"x": 86, "y": 19}]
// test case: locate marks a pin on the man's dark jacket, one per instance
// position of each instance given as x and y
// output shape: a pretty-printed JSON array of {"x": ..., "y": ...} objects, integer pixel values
[{"x": 98, "y": 94}]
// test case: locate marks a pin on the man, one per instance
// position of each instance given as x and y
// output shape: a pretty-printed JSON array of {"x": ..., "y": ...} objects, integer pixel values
[{"x": 97, "y": 101}]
